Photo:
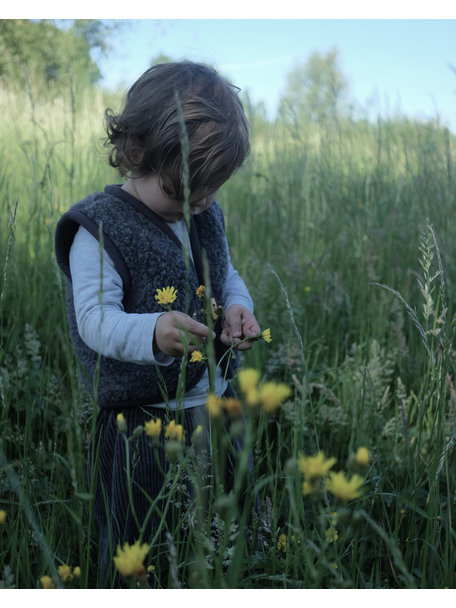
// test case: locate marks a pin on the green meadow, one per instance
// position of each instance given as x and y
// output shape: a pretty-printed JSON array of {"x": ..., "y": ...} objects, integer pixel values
[{"x": 344, "y": 232}]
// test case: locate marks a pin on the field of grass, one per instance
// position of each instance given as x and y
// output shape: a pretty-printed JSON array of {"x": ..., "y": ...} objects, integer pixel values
[{"x": 345, "y": 236}]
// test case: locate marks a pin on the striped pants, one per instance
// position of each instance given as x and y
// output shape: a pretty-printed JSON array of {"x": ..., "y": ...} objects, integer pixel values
[{"x": 129, "y": 478}]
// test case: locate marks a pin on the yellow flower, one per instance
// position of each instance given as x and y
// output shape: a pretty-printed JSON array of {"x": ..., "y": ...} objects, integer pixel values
[
  {"x": 121, "y": 423},
  {"x": 77, "y": 572},
  {"x": 64, "y": 572},
  {"x": 343, "y": 488},
  {"x": 331, "y": 534},
  {"x": 313, "y": 467},
  {"x": 214, "y": 405},
  {"x": 166, "y": 296},
  {"x": 248, "y": 379},
  {"x": 46, "y": 582},
  {"x": 272, "y": 394},
  {"x": 197, "y": 434},
  {"x": 196, "y": 356},
  {"x": 174, "y": 431},
  {"x": 232, "y": 406},
  {"x": 266, "y": 335},
  {"x": 307, "y": 488},
  {"x": 200, "y": 292},
  {"x": 153, "y": 428},
  {"x": 2, "y": 517},
  {"x": 362, "y": 456},
  {"x": 282, "y": 543},
  {"x": 129, "y": 560}
]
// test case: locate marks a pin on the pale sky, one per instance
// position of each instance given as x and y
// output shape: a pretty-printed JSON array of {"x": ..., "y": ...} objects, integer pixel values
[{"x": 391, "y": 65}]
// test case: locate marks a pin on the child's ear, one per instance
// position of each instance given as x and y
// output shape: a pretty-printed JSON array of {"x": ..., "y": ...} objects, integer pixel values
[{"x": 136, "y": 152}]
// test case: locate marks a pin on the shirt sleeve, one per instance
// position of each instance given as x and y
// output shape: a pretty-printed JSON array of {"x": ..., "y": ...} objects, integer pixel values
[
  {"x": 235, "y": 290},
  {"x": 98, "y": 294}
]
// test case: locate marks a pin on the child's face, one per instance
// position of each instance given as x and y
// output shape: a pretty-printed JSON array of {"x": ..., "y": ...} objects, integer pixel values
[{"x": 147, "y": 189}]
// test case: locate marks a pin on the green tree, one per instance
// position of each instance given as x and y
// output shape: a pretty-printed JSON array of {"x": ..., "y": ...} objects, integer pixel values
[
  {"x": 316, "y": 90},
  {"x": 39, "y": 54}
]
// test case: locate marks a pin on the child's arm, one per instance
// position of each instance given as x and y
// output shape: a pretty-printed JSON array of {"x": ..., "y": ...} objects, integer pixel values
[
  {"x": 239, "y": 321},
  {"x": 102, "y": 322}
]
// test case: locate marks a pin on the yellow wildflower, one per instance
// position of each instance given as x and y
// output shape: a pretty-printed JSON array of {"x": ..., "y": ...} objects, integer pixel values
[
  {"x": 64, "y": 572},
  {"x": 343, "y": 488},
  {"x": 153, "y": 427},
  {"x": 362, "y": 456},
  {"x": 129, "y": 560},
  {"x": 166, "y": 296},
  {"x": 232, "y": 406},
  {"x": 200, "y": 292},
  {"x": 282, "y": 543},
  {"x": 248, "y": 379},
  {"x": 214, "y": 405},
  {"x": 266, "y": 335},
  {"x": 174, "y": 431},
  {"x": 331, "y": 534},
  {"x": 313, "y": 467},
  {"x": 46, "y": 582},
  {"x": 307, "y": 488},
  {"x": 121, "y": 423},
  {"x": 196, "y": 356},
  {"x": 272, "y": 394},
  {"x": 2, "y": 517},
  {"x": 77, "y": 572},
  {"x": 197, "y": 434}
]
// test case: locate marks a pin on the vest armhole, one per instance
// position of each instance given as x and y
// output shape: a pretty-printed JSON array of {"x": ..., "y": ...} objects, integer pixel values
[{"x": 65, "y": 233}]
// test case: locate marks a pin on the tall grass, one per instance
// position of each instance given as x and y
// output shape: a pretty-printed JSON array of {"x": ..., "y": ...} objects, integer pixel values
[{"x": 345, "y": 239}]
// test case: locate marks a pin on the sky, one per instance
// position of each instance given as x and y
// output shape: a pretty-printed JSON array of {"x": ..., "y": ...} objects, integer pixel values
[
  {"x": 392, "y": 65},
  {"x": 397, "y": 55}
]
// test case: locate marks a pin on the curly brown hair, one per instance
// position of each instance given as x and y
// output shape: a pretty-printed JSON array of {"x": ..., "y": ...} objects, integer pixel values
[{"x": 145, "y": 138}]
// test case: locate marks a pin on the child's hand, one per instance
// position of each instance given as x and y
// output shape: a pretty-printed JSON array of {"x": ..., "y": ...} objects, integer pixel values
[
  {"x": 173, "y": 329},
  {"x": 239, "y": 323}
]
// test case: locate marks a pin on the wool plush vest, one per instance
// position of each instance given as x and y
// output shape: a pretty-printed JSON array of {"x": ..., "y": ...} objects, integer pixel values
[{"x": 148, "y": 256}]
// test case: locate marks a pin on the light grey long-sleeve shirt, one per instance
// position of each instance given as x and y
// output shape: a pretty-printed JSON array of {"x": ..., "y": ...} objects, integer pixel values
[{"x": 106, "y": 328}]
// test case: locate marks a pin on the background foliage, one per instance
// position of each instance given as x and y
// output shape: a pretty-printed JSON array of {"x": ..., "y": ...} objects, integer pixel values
[{"x": 328, "y": 207}]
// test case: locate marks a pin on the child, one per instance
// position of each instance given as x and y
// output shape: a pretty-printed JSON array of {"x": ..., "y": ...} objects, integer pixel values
[{"x": 121, "y": 247}]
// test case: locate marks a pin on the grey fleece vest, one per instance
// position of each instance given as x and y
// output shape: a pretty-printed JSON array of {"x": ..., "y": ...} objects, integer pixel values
[{"x": 148, "y": 256}]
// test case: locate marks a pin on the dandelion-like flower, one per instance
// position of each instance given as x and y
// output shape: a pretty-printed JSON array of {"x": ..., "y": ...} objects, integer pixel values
[
  {"x": 76, "y": 572},
  {"x": 197, "y": 434},
  {"x": 307, "y": 488},
  {"x": 65, "y": 572},
  {"x": 343, "y": 488},
  {"x": 2, "y": 517},
  {"x": 46, "y": 582},
  {"x": 200, "y": 292},
  {"x": 166, "y": 296},
  {"x": 129, "y": 559},
  {"x": 316, "y": 466},
  {"x": 121, "y": 423},
  {"x": 331, "y": 534},
  {"x": 362, "y": 456},
  {"x": 282, "y": 543},
  {"x": 248, "y": 379},
  {"x": 196, "y": 357},
  {"x": 214, "y": 405},
  {"x": 232, "y": 406},
  {"x": 153, "y": 428},
  {"x": 174, "y": 431},
  {"x": 266, "y": 335},
  {"x": 272, "y": 394}
]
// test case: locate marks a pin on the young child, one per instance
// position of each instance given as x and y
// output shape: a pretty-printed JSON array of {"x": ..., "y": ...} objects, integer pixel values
[{"x": 118, "y": 247}]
